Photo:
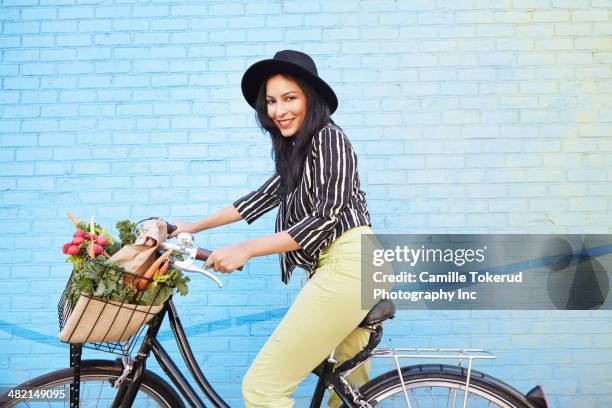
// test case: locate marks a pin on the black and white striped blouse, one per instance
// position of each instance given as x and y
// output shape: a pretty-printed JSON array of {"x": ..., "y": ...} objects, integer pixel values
[{"x": 327, "y": 202}]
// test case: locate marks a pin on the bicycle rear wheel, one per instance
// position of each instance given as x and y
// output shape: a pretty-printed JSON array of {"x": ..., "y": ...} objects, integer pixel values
[
  {"x": 438, "y": 385},
  {"x": 97, "y": 379}
]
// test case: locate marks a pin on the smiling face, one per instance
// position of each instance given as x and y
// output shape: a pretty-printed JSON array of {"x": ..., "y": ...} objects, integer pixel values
[{"x": 286, "y": 104}]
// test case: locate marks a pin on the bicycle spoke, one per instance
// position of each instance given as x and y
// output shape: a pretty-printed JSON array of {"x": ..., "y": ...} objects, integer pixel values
[
  {"x": 432, "y": 392},
  {"x": 394, "y": 400},
  {"x": 99, "y": 394},
  {"x": 432, "y": 397},
  {"x": 95, "y": 392},
  {"x": 416, "y": 399}
]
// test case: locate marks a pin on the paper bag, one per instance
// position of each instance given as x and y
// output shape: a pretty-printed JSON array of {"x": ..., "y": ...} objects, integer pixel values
[{"x": 138, "y": 257}]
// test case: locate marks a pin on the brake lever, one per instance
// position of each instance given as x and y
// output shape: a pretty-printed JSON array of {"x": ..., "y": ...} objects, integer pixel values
[
  {"x": 193, "y": 268},
  {"x": 188, "y": 264}
]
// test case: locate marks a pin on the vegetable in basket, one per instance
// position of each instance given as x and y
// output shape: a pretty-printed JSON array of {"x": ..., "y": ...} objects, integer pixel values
[{"x": 96, "y": 274}]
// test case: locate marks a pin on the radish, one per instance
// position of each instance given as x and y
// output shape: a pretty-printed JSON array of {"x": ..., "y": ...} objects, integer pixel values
[
  {"x": 73, "y": 250},
  {"x": 102, "y": 240},
  {"x": 65, "y": 247},
  {"x": 78, "y": 240},
  {"x": 97, "y": 249},
  {"x": 94, "y": 250},
  {"x": 80, "y": 233}
]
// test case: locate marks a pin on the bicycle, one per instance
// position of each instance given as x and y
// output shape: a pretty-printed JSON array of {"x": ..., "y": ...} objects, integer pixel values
[{"x": 130, "y": 384}]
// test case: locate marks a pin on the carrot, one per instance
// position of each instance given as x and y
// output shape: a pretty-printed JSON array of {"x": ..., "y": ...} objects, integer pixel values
[
  {"x": 74, "y": 220},
  {"x": 163, "y": 269},
  {"x": 142, "y": 283}
]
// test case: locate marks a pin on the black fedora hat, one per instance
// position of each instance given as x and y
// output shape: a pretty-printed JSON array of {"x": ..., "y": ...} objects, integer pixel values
[{"x": 286, "y": 62}]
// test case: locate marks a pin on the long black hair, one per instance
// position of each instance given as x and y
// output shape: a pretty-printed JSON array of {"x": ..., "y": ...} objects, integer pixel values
[{"x": 289, "y": 153}]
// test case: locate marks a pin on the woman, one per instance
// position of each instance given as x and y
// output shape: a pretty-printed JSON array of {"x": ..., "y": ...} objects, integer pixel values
[{"x": 322, "y": 214}]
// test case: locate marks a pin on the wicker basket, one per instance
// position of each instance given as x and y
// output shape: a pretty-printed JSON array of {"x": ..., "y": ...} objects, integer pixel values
[
  {"x": 95, "y": 320},
  {"x": 103, "y": 324}
]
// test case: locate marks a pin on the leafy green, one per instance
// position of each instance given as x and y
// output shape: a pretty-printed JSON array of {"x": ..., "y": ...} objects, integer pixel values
[
  {"x": 155, "y": 294},
  {"x": 105, "y": 280},
  {"x": 159, "y": 288},
  {"x": 113, "y": 248},
  {"x": 128, "y": 232}
]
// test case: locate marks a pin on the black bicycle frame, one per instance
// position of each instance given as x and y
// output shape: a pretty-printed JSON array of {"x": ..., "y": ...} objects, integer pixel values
[{"x": 127, "y": 391}]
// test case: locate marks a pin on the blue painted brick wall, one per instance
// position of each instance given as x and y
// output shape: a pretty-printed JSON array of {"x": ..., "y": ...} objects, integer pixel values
[{"x": 467, "y": 115}]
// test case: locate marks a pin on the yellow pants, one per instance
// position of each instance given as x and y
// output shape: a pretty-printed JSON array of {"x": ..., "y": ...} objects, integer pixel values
[{"x": 323, "y": 317}]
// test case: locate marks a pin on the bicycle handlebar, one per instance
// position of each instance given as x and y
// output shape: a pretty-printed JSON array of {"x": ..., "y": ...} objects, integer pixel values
[
  {"x": 201, "y": 253},
  {"x": 171, "y": 228}
]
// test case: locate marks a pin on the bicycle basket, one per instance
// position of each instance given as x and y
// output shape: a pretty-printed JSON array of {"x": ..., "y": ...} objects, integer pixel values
[{"x": 107, "y": 325}]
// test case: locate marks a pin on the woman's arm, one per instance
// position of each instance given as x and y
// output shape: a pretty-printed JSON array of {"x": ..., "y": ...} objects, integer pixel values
[
  {"x": 258, "y": 202},
  {"x": 270, "y": 244},
  {"x": 230, "y": 258},
  {"x": 248, "y": 208},
  {"x": 224, "y": 216}
]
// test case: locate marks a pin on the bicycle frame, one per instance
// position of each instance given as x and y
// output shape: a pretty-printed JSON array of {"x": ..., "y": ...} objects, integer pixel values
[{"x": 127, "y": 391}]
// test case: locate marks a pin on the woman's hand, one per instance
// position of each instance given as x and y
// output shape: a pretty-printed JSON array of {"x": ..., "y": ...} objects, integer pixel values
[
  {"x": 229, "y": 258},
  {"x": 182, "y": 226}
]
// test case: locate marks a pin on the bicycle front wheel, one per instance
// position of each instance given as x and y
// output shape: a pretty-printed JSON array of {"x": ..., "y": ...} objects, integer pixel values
[
  {"x": 438, "y": 385},
  {"x": 97, "y": 379}
]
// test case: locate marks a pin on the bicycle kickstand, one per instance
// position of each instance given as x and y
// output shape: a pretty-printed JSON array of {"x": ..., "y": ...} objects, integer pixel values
[{"x": 76, "y": 351}]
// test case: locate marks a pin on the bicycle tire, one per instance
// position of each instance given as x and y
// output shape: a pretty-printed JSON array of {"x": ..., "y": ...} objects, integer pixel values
[
  {"x": 448, "y": 382},
  {"x": 156, "y": 389}
]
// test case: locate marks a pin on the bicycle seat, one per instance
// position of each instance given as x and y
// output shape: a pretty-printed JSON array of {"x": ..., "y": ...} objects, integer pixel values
[{"x": 383, "y": 310}]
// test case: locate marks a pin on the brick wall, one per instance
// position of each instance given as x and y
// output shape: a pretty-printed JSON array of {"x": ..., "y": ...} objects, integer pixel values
[{"x": 467, "y": 116}]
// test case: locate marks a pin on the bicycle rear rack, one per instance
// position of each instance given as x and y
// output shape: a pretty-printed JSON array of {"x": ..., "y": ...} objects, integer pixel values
[{"x": 461, "y": 355}]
